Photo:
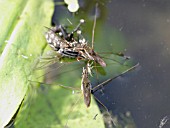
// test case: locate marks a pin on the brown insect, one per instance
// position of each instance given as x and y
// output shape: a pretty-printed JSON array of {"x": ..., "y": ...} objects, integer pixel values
[
  {"x": 86, "y": 86},
  {"x": 66, "y": 45},
  {"x": 87, "y": 89}
]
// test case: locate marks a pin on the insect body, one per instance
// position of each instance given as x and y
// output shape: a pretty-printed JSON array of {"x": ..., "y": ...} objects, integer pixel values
[
  {"x": 67, "y": 46},
  {"x": 86, "y": 87},
  {"x": 59, "y": 44}
]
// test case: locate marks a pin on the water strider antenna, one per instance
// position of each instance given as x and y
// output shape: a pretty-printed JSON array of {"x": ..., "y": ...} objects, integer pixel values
[{"x": 94, "y": 25}]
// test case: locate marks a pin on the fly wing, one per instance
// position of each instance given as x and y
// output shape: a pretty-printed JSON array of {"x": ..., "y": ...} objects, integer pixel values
[{"x": 58, "y": 71}]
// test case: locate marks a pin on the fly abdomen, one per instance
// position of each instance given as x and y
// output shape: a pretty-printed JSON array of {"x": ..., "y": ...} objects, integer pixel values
[
  {"x": 68, "y": 53},
  {"x": 55, "y": 41}
]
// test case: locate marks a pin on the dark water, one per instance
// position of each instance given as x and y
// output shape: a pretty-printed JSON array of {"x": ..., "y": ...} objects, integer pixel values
[{"x": 144, "y": 92}]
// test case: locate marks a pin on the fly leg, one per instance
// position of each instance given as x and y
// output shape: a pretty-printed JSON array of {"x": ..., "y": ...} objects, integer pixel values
[
  {"x": 77, "y": 29},
  {"x": 61, "y": 31}
]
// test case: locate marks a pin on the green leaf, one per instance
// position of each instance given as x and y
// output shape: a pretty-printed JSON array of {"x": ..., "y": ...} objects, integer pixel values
[
  {"x": 21, "y": 43},
  {"x": 24, "y": 36},
  {"x": 56, "y": 107},
  {"x": 10, "y": 12}
]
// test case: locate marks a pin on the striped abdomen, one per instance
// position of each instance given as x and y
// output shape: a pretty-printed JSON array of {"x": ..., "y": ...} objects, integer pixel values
[{"x": 62, "y": 46}]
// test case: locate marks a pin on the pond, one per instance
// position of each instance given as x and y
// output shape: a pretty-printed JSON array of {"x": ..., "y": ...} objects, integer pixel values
[
  {"x": 140, "y": 29},
  {"x": 143, "y": 27},
  {"x": 145, "y": 91}
]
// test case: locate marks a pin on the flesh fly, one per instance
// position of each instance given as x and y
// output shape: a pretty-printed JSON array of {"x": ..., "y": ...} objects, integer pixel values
[{"x": 66, "y": 45}]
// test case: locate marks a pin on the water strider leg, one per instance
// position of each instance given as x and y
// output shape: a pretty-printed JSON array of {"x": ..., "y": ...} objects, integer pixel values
[
  {"x": 110, "y": 79},
  {"x": 107, "y": 111},
  {"x": 93, "y": 90},
  {"x": 60, "y": 85}
]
